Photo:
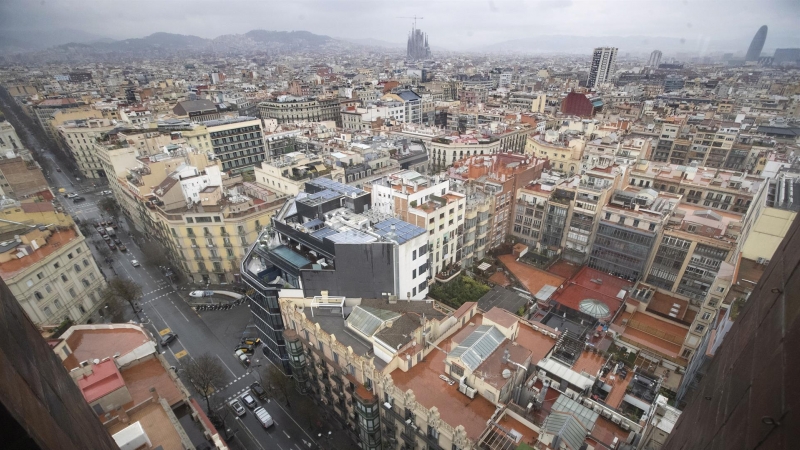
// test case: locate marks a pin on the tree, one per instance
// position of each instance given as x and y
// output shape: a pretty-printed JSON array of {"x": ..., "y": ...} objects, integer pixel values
[
  {"x": 113, "y": 307},
  {"x": 206, "y": 374},
  {"x": 155, "y": 254},
  {"x": 110, "y": 206},
  {"x": 121, "y": 290},
  {"x": 278, "y": 381},
  {"x": 86, "y": 228}
]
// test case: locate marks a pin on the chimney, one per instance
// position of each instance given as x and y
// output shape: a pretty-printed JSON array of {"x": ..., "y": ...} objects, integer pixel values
[
  {"x": 122, "y": 415},
  {"x": 154, "y": 394}
]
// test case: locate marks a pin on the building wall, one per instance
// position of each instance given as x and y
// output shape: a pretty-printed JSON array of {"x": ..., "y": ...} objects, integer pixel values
[
  {"x": 68, "y": 282},
  {"x": 766, "y": 235},
  {"x": 9, "y": 141},
  {"x": 238, "y": 145},
  {"x": 748, "y": 398},
  {"x": 42, "y": 408}
]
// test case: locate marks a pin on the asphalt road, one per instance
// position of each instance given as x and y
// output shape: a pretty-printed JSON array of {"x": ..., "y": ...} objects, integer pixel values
[{"x": 163, "y": 309}]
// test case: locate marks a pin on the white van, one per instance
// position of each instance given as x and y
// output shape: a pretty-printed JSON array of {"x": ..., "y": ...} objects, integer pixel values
[{"x": 263, "y": 417}]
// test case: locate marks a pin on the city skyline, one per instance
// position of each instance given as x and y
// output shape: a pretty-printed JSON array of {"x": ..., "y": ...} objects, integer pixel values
[{"x": 475, "y": 27}]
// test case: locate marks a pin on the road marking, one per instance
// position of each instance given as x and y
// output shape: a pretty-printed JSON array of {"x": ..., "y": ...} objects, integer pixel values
[
  {"x": 181, "y": 354},
  {"x": 164, "y": 331},
  {"x": 226, "y": 366},
  {"x": 287, "y": 412},
  {"x": 284, "y": 432},
  {"x": 249, "y": 433}
]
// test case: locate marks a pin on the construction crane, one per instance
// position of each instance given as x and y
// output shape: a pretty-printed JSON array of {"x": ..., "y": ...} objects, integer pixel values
[{"x": 413, "y": 17}]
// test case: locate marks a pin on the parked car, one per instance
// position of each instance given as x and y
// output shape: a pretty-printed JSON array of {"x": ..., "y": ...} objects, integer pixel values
[
  {"x": 117, "y": 241},
  {"x": 135, "y": 263},
  {"x": 167, "y": 338},
  {"x": 107, "y": 192},
  {"x": 248, "y": 400},
  {"x": 107, "y": 238},
  {"x": 58, "y": 169},
  {"x": 263, "y": 417},
  {"x": 101, "y": 230},
  {"x": 254, "y": 341},
  {"x": 122, "y": 248},
  {"x": 237, "y": 407},
  {"x": 72, "y": 195},
  {"x": 245, "y": 348},
  {"x": 112, "y": 246},
  {"x": 258, "y": 391},
  {"x": 201, "y": 293},
  {"x": 78, "y": 199},
  {"x": 242, "y": 357}
]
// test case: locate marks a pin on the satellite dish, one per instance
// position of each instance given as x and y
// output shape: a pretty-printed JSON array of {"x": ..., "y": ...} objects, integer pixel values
[
  {"x": 506, "y": 373},
  {"x": 96, "y": 361}
]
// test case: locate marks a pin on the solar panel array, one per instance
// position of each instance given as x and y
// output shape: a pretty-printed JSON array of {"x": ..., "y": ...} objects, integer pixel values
[
  {"x": 352, "y": 237},
  {"x": 327, "y": 183},
  {"x": 319, "y": 197},
  {"x": 403, "y": 231},
  {"x": 478, "y": 346}
]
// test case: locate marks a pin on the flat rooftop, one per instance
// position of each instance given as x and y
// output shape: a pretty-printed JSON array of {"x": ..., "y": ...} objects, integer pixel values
[
  {"x": 86, "y": 344},
  {"x": 155, "y": 422},
  {"x": 532, "y": 278},
  {"x": 507, "y": 299},
  {"x": 430, "y": 390}
]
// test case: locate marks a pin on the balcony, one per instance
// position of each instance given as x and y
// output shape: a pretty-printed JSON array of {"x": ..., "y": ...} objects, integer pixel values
[
  {"x": 448, "y": 274},
  {"x": 227, "y": 244}
]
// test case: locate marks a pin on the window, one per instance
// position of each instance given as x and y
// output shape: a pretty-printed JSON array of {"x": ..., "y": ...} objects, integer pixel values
[
  {"x": 56, "y": 265},
  {"x": 72, "y": 292},
  {"x": 40, "y": 275},
  {"x": 652, "y": 227},
  {"x": 69, "y": 256},
  {"x": 57, "y": 304},
  {"x": 47, "y": 288},
  {"x": 77, "y": 268},
  {"x": 85, "y": 263},
  {"x": 47, "y": 311},
  {"x": 64, "y": 278},
  {"x": 456, "y": 371},
  {"x": 38, "y": 295},
  {"x": 414, "y": 273},
  {"x": 706, "y": 316},
  {"x": 414, "y": 255},
  {"x": 699, "y": 328}
]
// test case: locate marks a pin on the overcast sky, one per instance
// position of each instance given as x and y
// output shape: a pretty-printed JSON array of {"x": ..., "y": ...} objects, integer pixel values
[{"x": 452, "y": 24}]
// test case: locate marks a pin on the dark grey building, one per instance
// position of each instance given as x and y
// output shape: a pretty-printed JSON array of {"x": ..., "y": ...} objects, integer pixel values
[
  {"x": 197, "y": 110},
  {"x": 327, "y": 241},
  {"x": 757, "y": 44},
  {"x": 237, "y": 141}
]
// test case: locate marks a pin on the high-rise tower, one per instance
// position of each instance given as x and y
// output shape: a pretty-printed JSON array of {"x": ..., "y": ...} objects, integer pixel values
[
  {"x": 655, "y": 59},
  {"x": 604, "y": 62},
  {"x": 757, "y": 44},
  {"x": 418, "y": 45}
]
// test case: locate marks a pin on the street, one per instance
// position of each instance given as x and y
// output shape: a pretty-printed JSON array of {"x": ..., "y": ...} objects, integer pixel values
[{"x": 163, "y": 308}]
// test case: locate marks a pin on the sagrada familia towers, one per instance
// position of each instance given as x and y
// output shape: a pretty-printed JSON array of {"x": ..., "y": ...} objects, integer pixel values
[{"x": 418, "y": 45}]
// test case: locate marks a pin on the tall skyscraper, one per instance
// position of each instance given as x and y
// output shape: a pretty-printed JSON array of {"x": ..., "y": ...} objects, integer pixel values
[
  {"x": 655, "y": 59},
  {"x": 418, "y": 45},
  {"x": 604, "y": 62},
  {"x": 757, "y": 44}
]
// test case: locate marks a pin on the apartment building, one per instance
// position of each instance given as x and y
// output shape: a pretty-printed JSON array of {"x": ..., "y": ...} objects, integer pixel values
[
  {"x": 565, "y": 157},
  {"x": 288, "y": 173},
  {"x": 81, "y": 137},
  {"x": 555, "y": 215},
  {"x": 444, "y": 151},
  {"x": 9, "y": 141},
  {"x": 47, "y": 265},
  {"x": 44, "y": 110},
  {"x": 498, "y": 176},
  {"x": 21, "y": 177},
  {"x": 131, "y": 387},
  {"x": 717, "y": 189},
  {"x": 417, "y": 374},
  {"x": 411, "y": 101},
  {"x": 630, "y": 226},
  {"x": 328, "y": 239},
  {"x": 197, "y": 110},
  {"x": 237, "y": 142},
  {"x": 428, "y": 203},
  {"x": 528, "y": 101},
  {"x": 287, "y": 109},
  {"x": 771, "y": 216}
]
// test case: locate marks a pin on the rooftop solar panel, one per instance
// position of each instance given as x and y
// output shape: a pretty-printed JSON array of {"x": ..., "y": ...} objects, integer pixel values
[{"x": 403, "y": 231}]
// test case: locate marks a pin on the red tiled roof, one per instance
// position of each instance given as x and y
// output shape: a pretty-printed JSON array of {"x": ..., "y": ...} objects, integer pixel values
[
  {"x": 104, "y": 379},
  {"x": 36, "y": 207}
]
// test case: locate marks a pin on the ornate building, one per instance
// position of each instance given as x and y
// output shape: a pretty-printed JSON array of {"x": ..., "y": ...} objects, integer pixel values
[{"x": 418, "y": 45}]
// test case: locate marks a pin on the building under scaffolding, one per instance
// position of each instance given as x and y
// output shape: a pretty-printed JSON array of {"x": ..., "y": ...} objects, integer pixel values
[{"x": 418, "y": 45}]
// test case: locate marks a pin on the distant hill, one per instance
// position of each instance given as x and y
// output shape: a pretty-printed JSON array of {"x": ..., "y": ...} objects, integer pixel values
[
  {"x": 167, "y": 43},
  {"x": 42, "y": 39}
]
